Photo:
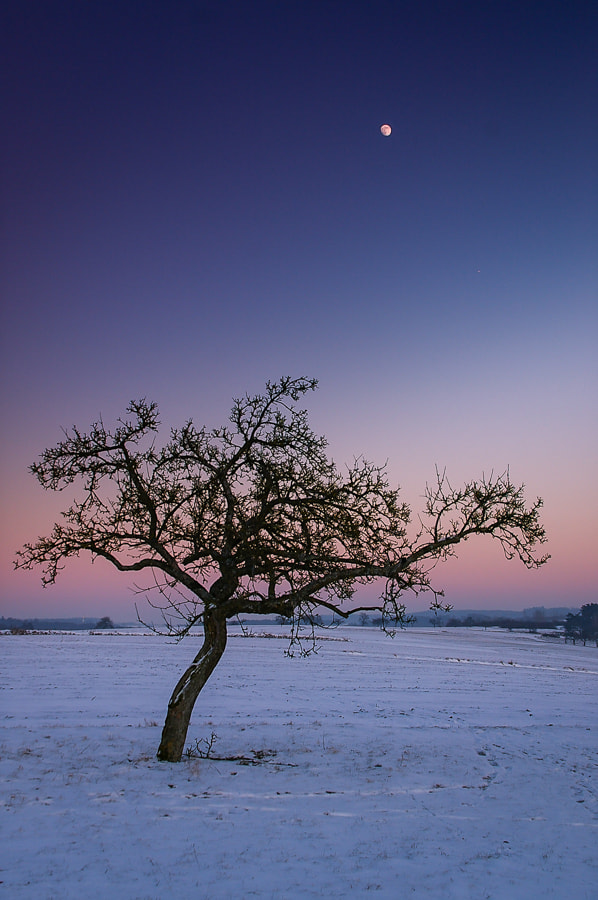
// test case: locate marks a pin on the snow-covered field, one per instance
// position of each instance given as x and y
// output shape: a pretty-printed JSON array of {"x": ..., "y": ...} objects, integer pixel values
[{"x": 441, "y": 764}]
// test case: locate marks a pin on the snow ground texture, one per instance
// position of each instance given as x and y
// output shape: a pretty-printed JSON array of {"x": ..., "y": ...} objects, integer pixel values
[{"x": 441, "y": 764}]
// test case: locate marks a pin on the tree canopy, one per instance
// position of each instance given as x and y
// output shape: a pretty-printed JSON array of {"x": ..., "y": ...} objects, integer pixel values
[{"x": 253, "y": 517}]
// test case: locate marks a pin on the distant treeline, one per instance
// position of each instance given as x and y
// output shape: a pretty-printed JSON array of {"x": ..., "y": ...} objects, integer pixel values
[
  {"x": 527, "y": 619},
  {"x": 531, "y": 624},
  {"x": 78, "y": 624}
]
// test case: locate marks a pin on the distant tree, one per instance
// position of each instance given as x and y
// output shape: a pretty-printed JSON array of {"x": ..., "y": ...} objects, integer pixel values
[
  {"x": 572, "y": 627},
  {"x": 105, "y": 622},
  {"x": 253, "y": 517},
  {"x": 589, "y": 622},
  {"x": 583, "y": 626},
  {"x": 364, "y": 619}
]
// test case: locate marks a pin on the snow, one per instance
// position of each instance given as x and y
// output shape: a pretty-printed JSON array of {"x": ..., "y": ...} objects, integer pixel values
[{"x": 455, "y": 763}]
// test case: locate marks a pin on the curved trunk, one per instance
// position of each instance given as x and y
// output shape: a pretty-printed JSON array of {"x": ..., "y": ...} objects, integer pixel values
[{"x": 182, "y": 701}]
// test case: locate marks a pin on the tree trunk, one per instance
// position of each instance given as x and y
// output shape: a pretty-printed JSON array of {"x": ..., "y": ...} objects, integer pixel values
[{"x": 182, "y": 701}]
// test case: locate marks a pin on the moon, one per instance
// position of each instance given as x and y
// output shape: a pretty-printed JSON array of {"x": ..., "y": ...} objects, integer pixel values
[{"x": 386, "y": 130}]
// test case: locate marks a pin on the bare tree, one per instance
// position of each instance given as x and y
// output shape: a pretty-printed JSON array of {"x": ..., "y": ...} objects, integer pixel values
[{"x": 253, "y": 517}]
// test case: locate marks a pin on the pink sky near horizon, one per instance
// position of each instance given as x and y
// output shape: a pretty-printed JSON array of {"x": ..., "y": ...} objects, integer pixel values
[{"x": 479, "y": 578}]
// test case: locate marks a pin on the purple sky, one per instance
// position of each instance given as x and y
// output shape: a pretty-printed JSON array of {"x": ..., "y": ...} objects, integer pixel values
[{"x": 196, "y": 197}]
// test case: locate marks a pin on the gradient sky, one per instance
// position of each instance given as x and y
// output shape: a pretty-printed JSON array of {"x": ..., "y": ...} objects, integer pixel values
[{"x": 196, "y": 197}]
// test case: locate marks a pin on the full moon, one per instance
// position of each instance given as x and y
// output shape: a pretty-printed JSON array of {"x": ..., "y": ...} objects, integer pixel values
[{"x": 386, "y": 130}]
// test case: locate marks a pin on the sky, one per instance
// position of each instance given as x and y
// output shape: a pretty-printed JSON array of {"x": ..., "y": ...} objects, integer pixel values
[{"x": 196, "y": 197}]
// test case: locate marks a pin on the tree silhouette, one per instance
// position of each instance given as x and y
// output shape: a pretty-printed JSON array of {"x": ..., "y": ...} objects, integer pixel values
[{"x": 253, "y": 517}]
